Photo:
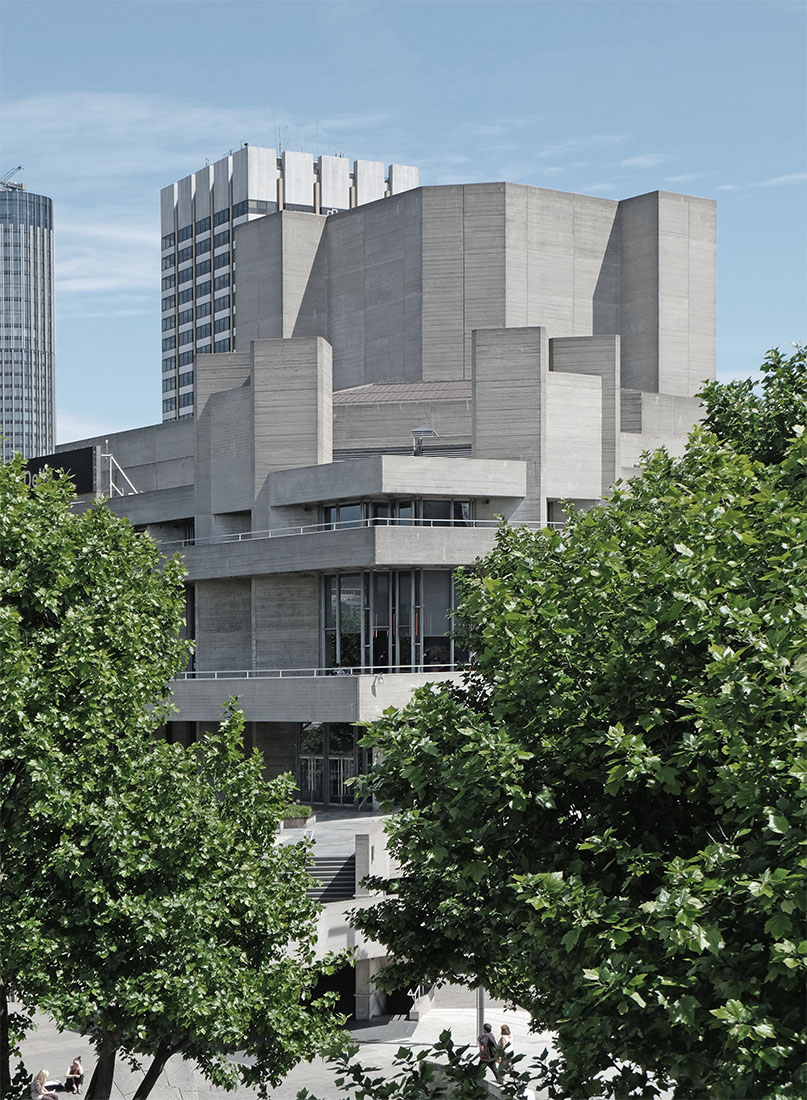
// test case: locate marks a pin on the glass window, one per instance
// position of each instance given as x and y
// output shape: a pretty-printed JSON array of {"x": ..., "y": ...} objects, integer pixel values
[
  {"x": 350, "y": 608},
  {"x": 169, "y": 364},
  {"x": 168, "y": 323},
  {"x": 221, "y": 238},
  {"x": 436, "y": 624},
  {"x": 168, "y": 281},
  {"x": 221, "y": 216},
  {"x": 169, "y": 302},
  {"x": 186, "y": 337},
  {"x": 186, "y": 379},
  {"x": 240, "y": 209},
  {"x": 168, "y": 261},
  {"x": 437, "y": 512},
  {"x": 203, "y": 267},
  {"x": 202, "y": 331},
  {"x": 221, "y": 324},
  {"x": 185, "y": 295},
  {"x": 203, "y": 289},
  {"x": 169, "y": 404},
  {"x": 203, "y": 246},
  {"x": 203, "y": 225},
  {"x": 222, "y": 303},
  {"x": 185, "y": 275},
  {"x": 185, "y": 233},
  {"x": 221, "y": 281},
  {"x": 185, "y": 357},
  {"x": 350, "y": 515},
  {"x": 169, "y": 342},
  {"x": 185, "y": 399},
  {"x": 203, "y": 310},
  {"x": 185, "y": 315},
  {"x": 222, "y": 345},
  {"x": 167, "y": 241},
  {"x": 184, "y": 254},
  {"x": 221, "y": 261}
]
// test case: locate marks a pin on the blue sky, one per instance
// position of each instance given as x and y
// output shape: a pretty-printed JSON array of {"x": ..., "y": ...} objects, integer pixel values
[{"x": 105, "y": 102}]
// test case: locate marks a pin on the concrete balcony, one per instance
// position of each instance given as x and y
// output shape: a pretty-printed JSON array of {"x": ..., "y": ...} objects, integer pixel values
[
  {"x": 321, "y": 547},
  {"x": 400, "y": 475},
  {"x": 297, "y": 696}
]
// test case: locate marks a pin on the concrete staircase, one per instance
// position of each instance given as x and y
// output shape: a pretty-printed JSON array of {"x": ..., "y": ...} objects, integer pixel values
[{"x": 335, "y": 878}]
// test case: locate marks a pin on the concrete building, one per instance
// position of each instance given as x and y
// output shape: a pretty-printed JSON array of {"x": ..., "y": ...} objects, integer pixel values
[
  {"x": 26, "y": 322},
  {"x": 534, "y": 343},
  {"x": 408, "y": 369},
  {"x": 199, "y": 215}
]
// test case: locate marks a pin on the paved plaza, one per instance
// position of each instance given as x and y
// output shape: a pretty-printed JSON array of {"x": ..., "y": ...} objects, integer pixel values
[{"x": 454, "y": 1008}]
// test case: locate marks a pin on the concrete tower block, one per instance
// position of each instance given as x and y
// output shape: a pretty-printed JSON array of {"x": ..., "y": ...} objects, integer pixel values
[
  {"x": 403, "y": 177},
  {"x": 222, "y": 174},
  {"x": 298, "y": 181},
  {"x": 292, "y": 410},
  {"x": 510, "y": 368},
  {"x": 597, "y": 356},
  {"x": 185, "y": 189},
  {"x": 334, "y": 183},
  {"x": 203, "y": 186},
  {"x": 370, "y": 181},
  {"x": 168, "y": 202},
  {"x": 667, "y": 266},
  {"x": 261, "y": 172}
]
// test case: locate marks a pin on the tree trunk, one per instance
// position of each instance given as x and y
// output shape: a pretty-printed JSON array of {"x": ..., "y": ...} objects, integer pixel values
[
  {"x": 5, "y": 1052},
  {"x": 101, "y": 1082},
  {"x": 161, "y": 1056}
]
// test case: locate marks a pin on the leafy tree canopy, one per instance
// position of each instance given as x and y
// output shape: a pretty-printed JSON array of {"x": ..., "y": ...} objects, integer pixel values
[
  {"x": 143, "y": 899},
  {"x": 605, "y": 822}
]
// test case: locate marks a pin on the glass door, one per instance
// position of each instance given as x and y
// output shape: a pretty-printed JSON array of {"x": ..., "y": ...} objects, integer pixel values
[
  {"x": 312, "y": 763},
  {"x": 341, "y": 763}
]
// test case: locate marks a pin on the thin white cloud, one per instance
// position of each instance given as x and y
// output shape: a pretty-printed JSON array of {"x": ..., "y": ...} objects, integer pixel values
[
  {"x": 727, "y": 187},
  {"x": 572, "y": 145},
  {"x": 783, "y": 181},
  {"x": 645, "y": 160},
  {"x": 686, "y": 177}
]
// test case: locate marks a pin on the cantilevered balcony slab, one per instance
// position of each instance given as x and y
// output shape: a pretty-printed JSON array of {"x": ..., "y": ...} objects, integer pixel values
[
  {"x": 393, "y": 547},
  {"x": 402, "y": 476},
  {"x": 292, "y": 698}
]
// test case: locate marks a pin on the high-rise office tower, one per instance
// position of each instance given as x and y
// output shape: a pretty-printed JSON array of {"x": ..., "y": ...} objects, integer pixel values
[
  {"x": 26, "y": 322},
  {"x": 199, "y": 217}
]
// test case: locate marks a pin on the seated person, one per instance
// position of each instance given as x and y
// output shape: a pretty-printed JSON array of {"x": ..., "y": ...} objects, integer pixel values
[
  {"x": 38, "y": 1090},
  {"x": 74, "y": 1078}
]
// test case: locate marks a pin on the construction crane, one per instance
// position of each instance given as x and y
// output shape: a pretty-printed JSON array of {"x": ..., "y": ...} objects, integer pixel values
[{"x": 6, "y": 180}]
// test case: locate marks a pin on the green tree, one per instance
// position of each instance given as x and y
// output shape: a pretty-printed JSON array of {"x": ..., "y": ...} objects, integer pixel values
[
  {"x": 89, "y": 637},
  {"x": 190, "y": 929},
  {"x": 605, "y": 823},
  {"x": 142, "y": 897}
]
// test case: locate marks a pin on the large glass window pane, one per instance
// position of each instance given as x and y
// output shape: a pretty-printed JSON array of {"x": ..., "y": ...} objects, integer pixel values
[
  {"x": 437, "y": 511},
  {"x": 350, "y": 605},
  {"x": 330, "y": 602},
  {"x": 462, "y": 512},
  {"x": 379, "y": 512},
  {"x": 436, "y": 622},
  {"x": 406, "y": 512},
  {"x": 350, "y": 515}
]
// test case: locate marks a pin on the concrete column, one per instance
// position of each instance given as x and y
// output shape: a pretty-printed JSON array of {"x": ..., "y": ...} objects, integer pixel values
[{"x": 510, "y": 368}]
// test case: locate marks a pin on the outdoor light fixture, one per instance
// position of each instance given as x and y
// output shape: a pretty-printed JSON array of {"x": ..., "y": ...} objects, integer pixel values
[{"x": 418, "y": 435}]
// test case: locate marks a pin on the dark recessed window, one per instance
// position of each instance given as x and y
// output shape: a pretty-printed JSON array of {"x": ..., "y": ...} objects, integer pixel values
[
  {"x": 185, "y": 357},
  {"x": 186, "y": 337},
  {"x": 169, "y": 303},
  {"x": 186, "y": 379},
  {"x": 168, "y": 323},
  {"x": 203, "y": 289},
  {"x": 221, "y": 238},
  {"x": 203, "y": 310},
  {"x": 185, "y": 296},
  {"x": 202, "y": 331},
  {"x": 168, "y": 261},
  {"x": 221, "y": 281},
  {"x": 221, "y": 216},
  {"x": 222, "y": 345},
  {"x": 169, "y": 364},
  {"x": 221, "y": 303},
  {"x": 185, "y": 234},
  {"x": 203, "y": 267},
  {"x": 183, "y": 254},
  {"x": 203, "y": 246},
  {"x": 169, "y": 404},
  {"x": 167, "y": 241},
  {"x": 221, "y": 261},
  {"x": 185, "y": 316},
  {"x": 203, "y": 225},
  {"x": 169, "y": 342},
  {"x": 185, "y": 275},
  {"x": 222, "y": 324}
]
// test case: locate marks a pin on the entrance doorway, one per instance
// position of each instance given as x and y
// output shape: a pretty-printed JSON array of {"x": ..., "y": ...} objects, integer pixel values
[{"x": 329, "y": 756}]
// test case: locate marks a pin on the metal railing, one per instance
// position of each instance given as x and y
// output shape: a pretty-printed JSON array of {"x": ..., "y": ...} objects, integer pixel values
[
  {"x": 311, "y": 673},
  {"x": 351, "y": 524}
]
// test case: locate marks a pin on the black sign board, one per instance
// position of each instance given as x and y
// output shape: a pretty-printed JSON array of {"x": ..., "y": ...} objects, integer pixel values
[{"x": 79, "y": 464}]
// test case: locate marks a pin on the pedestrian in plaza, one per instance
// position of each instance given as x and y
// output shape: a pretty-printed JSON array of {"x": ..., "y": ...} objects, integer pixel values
[
  {"x": 38, "y": 1090},
  {"x": 74, "y": 1078},
  {"x": 506, "y": 1051},
  {"x": 488, "y": 1049}
]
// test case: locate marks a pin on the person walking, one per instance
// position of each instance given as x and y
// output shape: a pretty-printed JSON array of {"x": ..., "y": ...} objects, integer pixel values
[
  {"x": 488, "y": 1050},
  {"x": 506, "y": 1051}
]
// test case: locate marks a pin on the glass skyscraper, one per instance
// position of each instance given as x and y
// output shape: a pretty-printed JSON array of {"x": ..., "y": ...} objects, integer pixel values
[{"x": 26, "y": 323}]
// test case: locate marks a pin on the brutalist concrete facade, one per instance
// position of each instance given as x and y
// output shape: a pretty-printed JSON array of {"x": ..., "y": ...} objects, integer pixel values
[{"x": 546, "y": 339}]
